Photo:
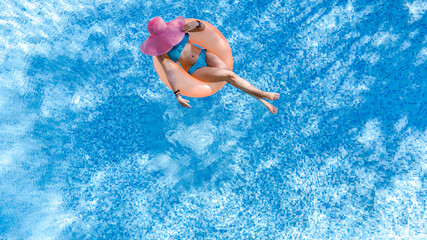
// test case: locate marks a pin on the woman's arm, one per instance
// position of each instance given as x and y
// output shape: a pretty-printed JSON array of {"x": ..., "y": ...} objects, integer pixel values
[
  {"x": 194, "y": 26},
  {"x": 172, "y": 81},
  {"x": 169, "y": 74}
]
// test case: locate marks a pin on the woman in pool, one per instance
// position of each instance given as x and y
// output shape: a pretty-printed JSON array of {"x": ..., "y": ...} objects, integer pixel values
[{"x": 170, "y": 40}]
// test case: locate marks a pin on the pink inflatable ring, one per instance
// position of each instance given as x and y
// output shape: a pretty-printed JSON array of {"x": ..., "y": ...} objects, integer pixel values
[{"x": 211, "y": 39}]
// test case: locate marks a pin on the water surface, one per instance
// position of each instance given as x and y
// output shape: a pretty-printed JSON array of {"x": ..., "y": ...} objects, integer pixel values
[{"x": 94, "y": 146}]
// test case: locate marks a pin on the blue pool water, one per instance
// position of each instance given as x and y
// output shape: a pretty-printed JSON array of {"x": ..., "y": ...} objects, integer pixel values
[{"x": 94, "y": 146}]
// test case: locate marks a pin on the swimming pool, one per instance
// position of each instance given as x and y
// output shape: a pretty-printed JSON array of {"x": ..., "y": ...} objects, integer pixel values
[{"x": 94, "y": 146}]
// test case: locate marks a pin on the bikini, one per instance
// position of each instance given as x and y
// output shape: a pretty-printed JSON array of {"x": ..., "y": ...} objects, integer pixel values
[{"x": 176, "y": 51}]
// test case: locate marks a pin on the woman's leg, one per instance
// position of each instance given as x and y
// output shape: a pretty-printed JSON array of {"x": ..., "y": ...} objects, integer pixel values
[
  {"x": 220, "y": 72},
  {"x": 213, "y": 74}
]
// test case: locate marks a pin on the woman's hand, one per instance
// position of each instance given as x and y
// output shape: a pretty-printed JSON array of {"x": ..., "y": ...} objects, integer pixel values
[
  {"x": 183, "y": 102},
  {"x": 193, "y": 27}
]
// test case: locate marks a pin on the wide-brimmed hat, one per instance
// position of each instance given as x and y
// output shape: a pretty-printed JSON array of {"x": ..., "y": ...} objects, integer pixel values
[{"x": 163, "y": 36}]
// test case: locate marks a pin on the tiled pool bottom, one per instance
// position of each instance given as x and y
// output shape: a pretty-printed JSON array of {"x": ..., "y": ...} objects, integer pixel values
[{"x": 94, "y": 146}]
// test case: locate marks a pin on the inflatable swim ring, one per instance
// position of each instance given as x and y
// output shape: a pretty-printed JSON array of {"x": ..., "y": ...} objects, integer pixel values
[{"x": 211, "y": 39}]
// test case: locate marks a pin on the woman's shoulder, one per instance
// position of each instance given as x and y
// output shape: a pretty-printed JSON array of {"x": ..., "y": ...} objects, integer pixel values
[{"x": 162, "y": 57}]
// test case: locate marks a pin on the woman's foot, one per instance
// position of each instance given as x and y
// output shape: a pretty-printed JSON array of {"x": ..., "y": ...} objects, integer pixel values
[
  {"x": 271, "y": 96},
  {"x": 269, "y": 106}
]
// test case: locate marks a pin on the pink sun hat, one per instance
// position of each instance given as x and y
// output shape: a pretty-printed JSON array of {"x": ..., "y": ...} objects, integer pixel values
[{"x": 163, "y": 36}]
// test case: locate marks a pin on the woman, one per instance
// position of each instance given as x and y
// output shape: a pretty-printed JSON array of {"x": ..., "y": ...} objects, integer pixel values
[{"x": 170, "y": 40}]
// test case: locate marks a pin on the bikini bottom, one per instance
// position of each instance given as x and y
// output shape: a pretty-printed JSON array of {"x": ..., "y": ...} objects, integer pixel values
[{"x": 201, "y": 62}]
